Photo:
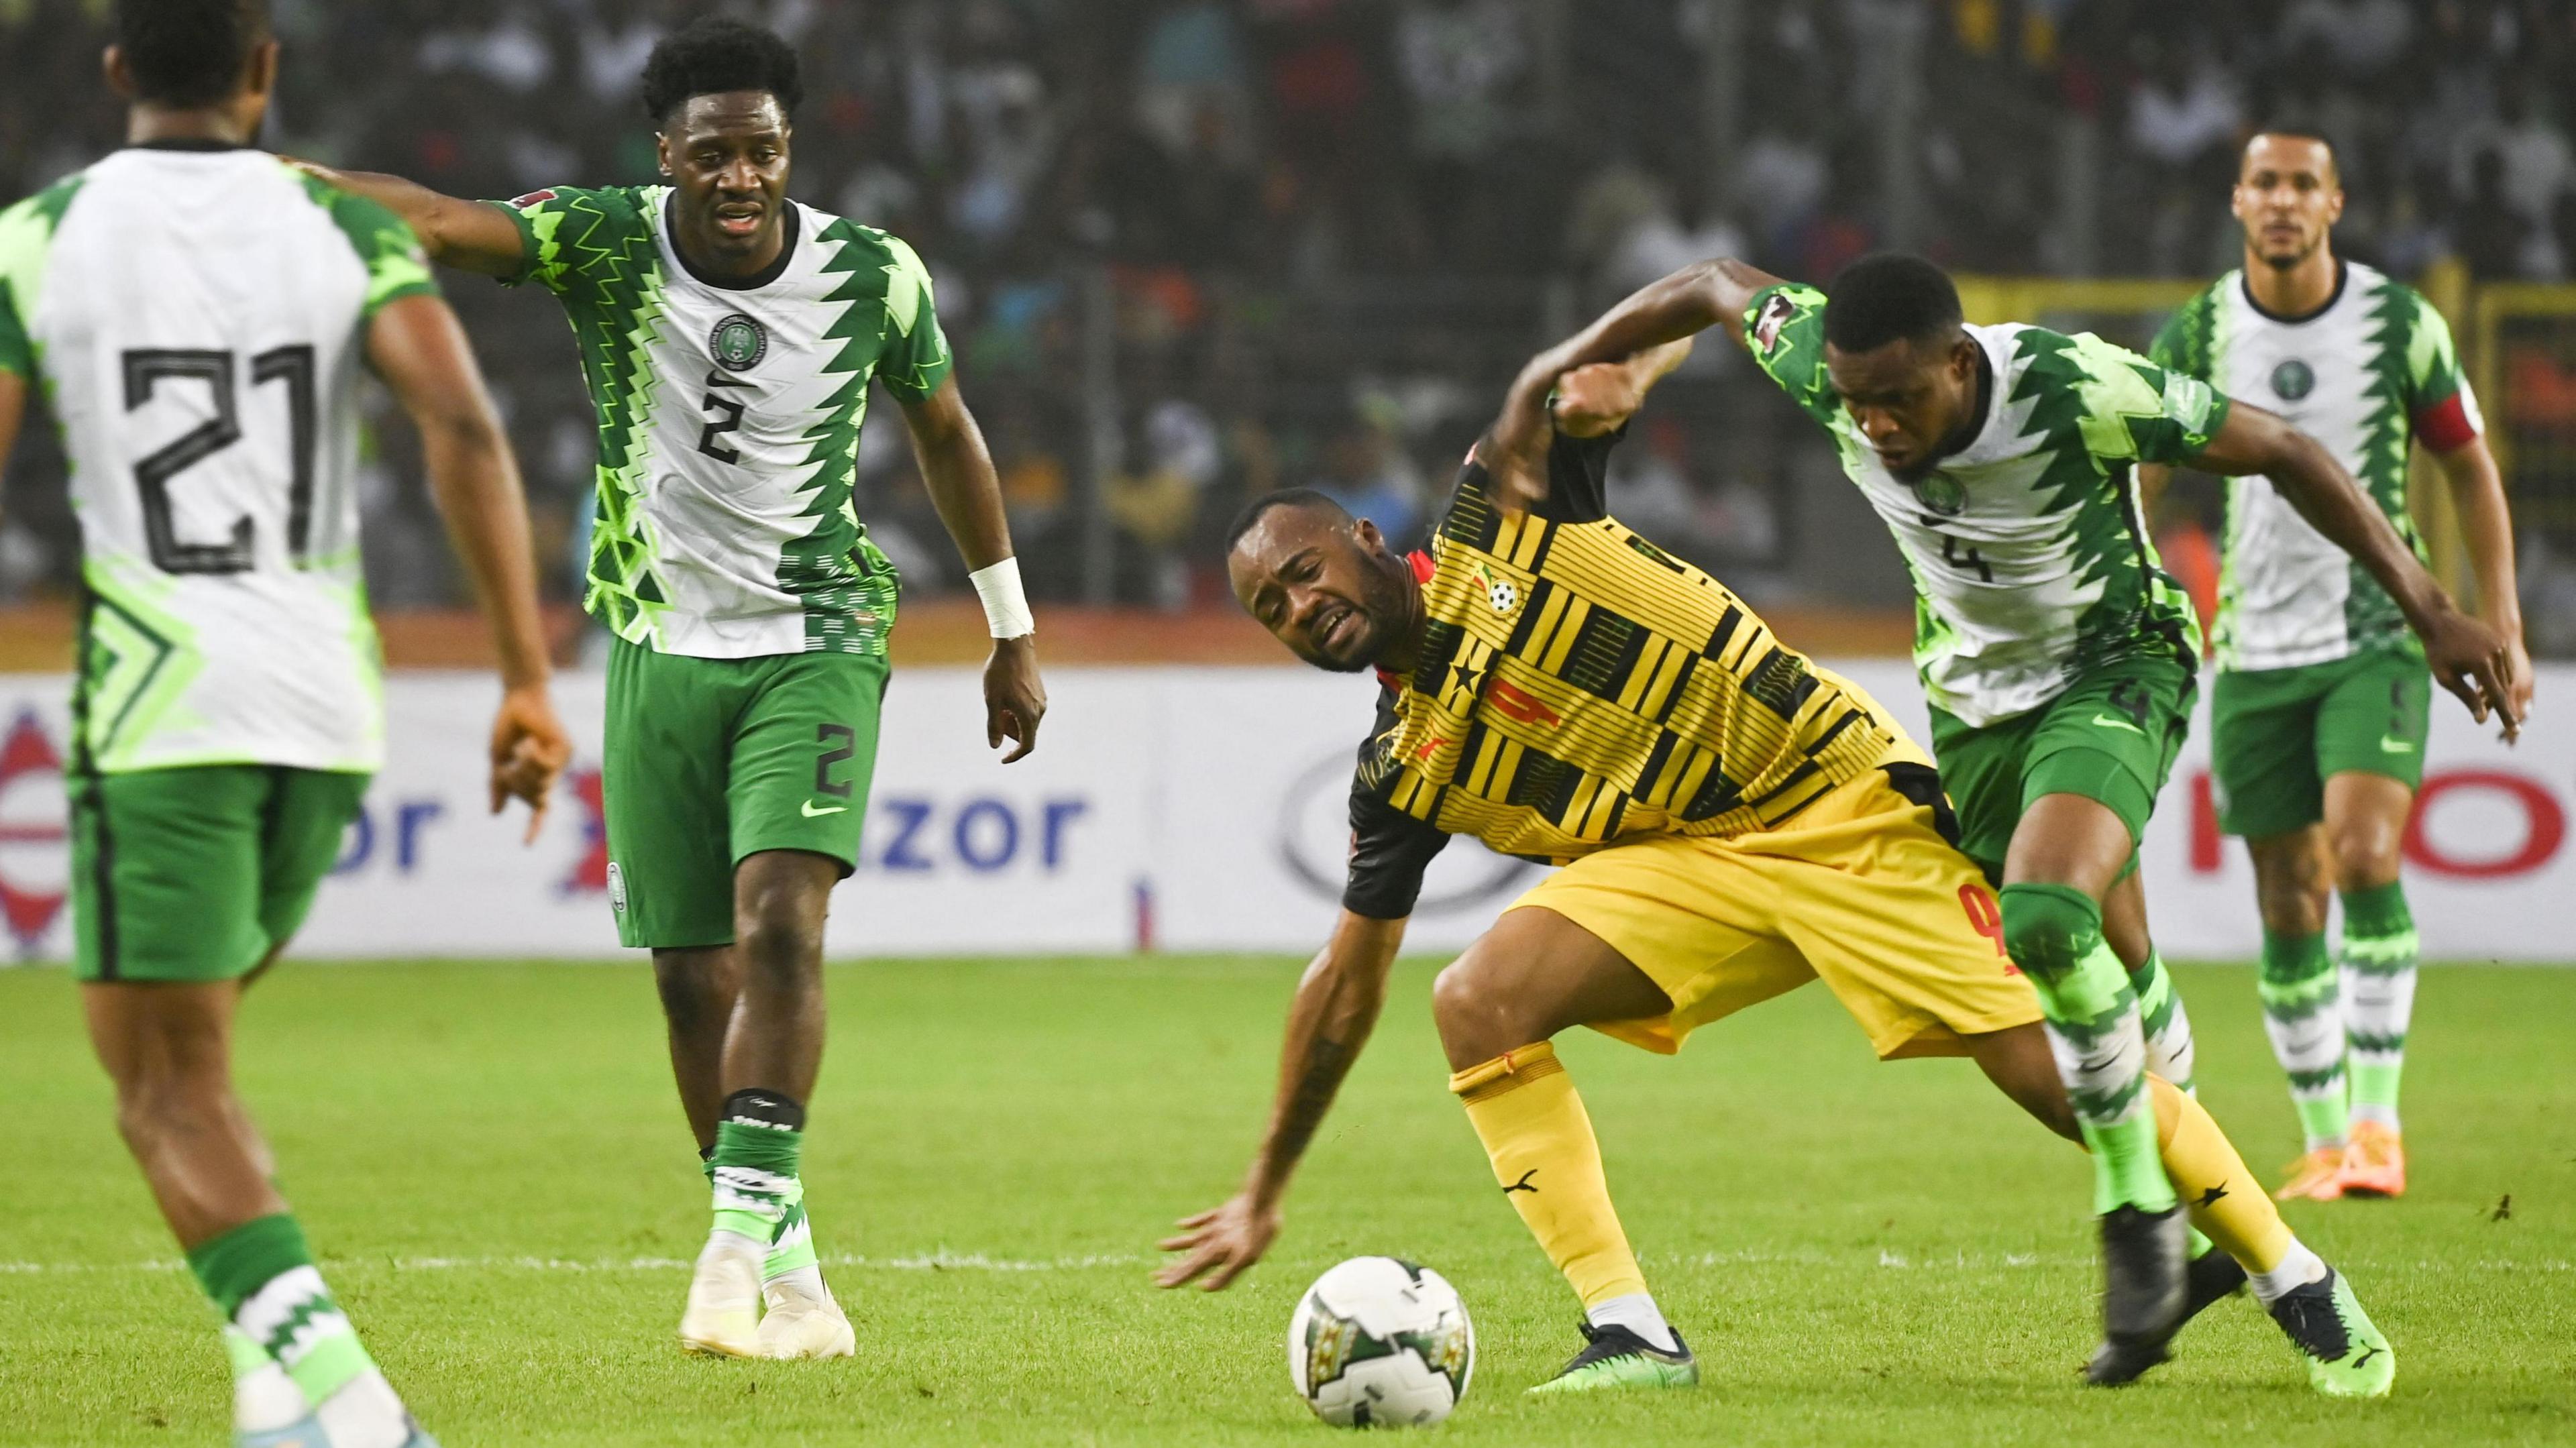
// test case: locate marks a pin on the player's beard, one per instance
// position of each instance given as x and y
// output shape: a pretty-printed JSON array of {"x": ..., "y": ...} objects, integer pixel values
[
  {"x": 2292, "y": 260},
  {"x": 1381, "y": 606}
]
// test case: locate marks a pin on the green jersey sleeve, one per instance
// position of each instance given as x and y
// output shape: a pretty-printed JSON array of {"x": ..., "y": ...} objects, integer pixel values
[
  {"x": 26, "y": 244},
  {"x": 1785, "y": 328},
  {"x": 2135, "y": 410},
  {"x": 2438, "y": 397},
  {"x": 914, "y": 360},
  {"x": 2182, "y": 344},
  {"x": 577, "y": 240},
  {"x": 396, "y": 265}
]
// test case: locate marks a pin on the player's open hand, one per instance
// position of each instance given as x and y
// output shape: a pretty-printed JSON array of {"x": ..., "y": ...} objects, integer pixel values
[
  {"x": 2476, "y": 663},
  {"x": 1219, "y": 1244},
  {"x": 1014, "y": 696},
  {"x": 529, "y": 751}
]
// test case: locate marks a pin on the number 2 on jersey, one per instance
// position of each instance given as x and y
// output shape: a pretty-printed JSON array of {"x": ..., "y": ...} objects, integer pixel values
[{"x": 145, "y": 368}]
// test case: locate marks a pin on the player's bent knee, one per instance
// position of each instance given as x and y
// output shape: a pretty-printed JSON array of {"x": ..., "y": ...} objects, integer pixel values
[
  {"x": 1477, "y": 1021},
  {"x": 2047, "y": 928}
]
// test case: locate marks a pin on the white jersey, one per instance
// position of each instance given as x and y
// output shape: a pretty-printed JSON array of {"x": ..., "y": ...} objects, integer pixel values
[
  {"x": 2366, "y": 375},
  {"x": 197, "y": 317},
  {"x": 729, "y": 417},
  {"x": 2030, "y": 561}
]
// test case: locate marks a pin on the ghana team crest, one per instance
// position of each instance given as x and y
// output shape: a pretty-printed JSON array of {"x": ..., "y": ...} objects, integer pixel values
[
  {"x": 1498, "y": 590},
  {"x": 738, "y": 342},
  {"x": 2292, "y": 380}
]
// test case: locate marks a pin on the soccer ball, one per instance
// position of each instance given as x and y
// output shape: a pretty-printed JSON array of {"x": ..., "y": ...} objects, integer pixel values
[{"x": 1381, "y": 1343}]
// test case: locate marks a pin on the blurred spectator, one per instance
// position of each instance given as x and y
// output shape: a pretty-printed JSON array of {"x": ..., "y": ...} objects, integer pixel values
[
  {"x": 1368, "y": 474},
  {"x": 2491, "y": 228}
]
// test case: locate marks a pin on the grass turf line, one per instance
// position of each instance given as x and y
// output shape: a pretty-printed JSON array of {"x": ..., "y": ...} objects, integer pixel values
[{"x": 490, "y": 1160}]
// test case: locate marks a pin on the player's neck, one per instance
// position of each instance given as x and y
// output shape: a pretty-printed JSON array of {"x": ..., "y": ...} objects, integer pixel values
[
  {"x": 146, "y": 125},
  {"x": 2300, "y": 290}
]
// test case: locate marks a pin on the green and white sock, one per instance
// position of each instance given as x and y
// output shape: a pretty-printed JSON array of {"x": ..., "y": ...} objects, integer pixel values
[
  {"x": 791, "y": 1250},
  {"x": 2379, "y": 957},
  {"x": 2303, "y": 1015},
  {"x": 2168, "y": 1028},
  {"x": 265, "y": 1399},
  {"x": 276, "y": 1306},
  {"x": 754, "y": 1166},
  {"x": 2054, "y": 934}
]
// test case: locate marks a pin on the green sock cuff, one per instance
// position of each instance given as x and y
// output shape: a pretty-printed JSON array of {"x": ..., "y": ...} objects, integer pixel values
[
  {"x": 772, "y": 1149},
  {"x": 2377, "y": 911},
  {"x": 237, "y": 1263},
  {"x": 2289, "y": 959}
]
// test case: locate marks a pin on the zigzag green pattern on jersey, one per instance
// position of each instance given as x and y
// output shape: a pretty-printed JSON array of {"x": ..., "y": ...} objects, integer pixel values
[
  {"x": 848, "y": 586},
  {"x": 2371, "y": 618},
  {"x": 2137, "y": 602},
  {"x": 137, "y": 660},
  {"x": 613, "y": 314},
  {"x": 26, "y": 246},
  {"x": 391, "y": 254}
]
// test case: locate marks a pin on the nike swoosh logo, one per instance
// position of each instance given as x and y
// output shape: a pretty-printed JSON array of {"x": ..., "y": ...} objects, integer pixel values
[
  {"x": 811, "y": 812},
  {"x": 2118, "y": 723},
  {"x": 2395, "y": 746}
]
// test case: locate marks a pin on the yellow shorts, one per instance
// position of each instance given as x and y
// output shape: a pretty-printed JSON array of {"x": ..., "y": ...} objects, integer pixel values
[{"x": 1860, "y": 889}]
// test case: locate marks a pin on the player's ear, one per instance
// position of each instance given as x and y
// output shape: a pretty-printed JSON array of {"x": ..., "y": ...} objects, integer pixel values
[
  {"x": 1369, "y": 536},
  {"x": 662, "y": 149},
  {"x": 259, "y": 69},
  {"x": 120, "y": 76}
]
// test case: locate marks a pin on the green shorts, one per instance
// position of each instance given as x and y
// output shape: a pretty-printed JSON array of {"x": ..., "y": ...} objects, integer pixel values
[
  {"x": 2277, "y": 735},
  {"x": 2111, "y": 737},
  {"x": 707, "y": 761},
  {"x": 198, "y": 873}
]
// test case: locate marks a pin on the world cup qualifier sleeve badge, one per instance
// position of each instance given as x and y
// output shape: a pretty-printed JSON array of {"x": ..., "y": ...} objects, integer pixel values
[{"x": 738, "y": 342}]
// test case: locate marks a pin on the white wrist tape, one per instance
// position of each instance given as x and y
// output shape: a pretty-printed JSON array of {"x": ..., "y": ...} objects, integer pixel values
[{"x": 1006, "y": 607}]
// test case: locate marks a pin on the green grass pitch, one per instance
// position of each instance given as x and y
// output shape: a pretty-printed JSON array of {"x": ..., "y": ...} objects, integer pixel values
[{"x": 490, "y": 1161}]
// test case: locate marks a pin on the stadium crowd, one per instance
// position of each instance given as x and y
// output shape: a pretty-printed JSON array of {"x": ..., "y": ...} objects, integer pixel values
[{"x": 1190, "y": 250}]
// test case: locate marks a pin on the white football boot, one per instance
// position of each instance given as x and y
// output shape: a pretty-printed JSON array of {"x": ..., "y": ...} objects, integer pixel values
[
  {"x": 723, "y": 1315},
  {"x": 803, "y": 1321}
]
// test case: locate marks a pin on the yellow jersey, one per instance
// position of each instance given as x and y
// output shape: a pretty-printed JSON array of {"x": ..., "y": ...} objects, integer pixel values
[{"x": 1578, "y": 687}]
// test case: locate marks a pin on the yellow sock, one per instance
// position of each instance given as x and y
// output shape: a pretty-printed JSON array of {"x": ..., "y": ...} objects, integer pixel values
[
  {"x": 2226, "y": 1201},
  {"x": 1548, "y": 1164}
]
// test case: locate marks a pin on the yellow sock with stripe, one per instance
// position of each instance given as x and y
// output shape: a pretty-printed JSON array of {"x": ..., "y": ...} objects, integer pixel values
[
  {"x": 1548, "y": 1163},
  {"x": 2225, "y": 1200}
]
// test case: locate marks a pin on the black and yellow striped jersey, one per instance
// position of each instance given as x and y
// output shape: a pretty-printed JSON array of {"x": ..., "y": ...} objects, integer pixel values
[{"x": 1578, "y": 686}]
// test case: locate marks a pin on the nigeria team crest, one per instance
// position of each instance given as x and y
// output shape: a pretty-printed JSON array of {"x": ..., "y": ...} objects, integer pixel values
[
  {"x": 739, "y": 342},
  {"x": 1943, "y": 494},
  {"x": 2292, "y": 380}
]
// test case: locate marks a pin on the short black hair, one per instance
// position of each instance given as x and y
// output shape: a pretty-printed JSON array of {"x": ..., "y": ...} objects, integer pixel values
[
  {"x": 1261, "y": 507},
  {"x": 188, "y": 53},
  {"x": 1890, "y": 296},
  {"x": 714, "y": 55},
  {"x": 2293, "y": 131}
]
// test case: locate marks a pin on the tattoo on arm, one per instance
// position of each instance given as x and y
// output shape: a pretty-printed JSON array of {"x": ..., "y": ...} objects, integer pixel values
[{"x": 1326, "y": 1062}]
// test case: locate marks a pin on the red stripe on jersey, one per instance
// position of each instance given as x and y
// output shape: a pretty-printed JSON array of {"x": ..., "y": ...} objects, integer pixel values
[
  {"x": 533, "y": 197},
  {"x": 2445, "y": 425},
  {"x": 1422, "y": 570}
]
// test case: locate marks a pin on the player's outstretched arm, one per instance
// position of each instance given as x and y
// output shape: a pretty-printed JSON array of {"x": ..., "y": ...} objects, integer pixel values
[
  {"x": 415, "y": 344},
  {"x": 473, "y": 236},
  {"x": 1671, "y": 309},
  {"x": 958, "y": 471},
  {"x": 2469, "y": 658},
  {"x": 2486, "y": 526},
  {"x": 1336, "y": 1007}
]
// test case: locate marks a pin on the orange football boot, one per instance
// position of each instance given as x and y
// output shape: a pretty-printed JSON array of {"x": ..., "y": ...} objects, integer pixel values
[
  {"x": 2316, "y": 1177},
  {"x": 2375, "y": 1164}
]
